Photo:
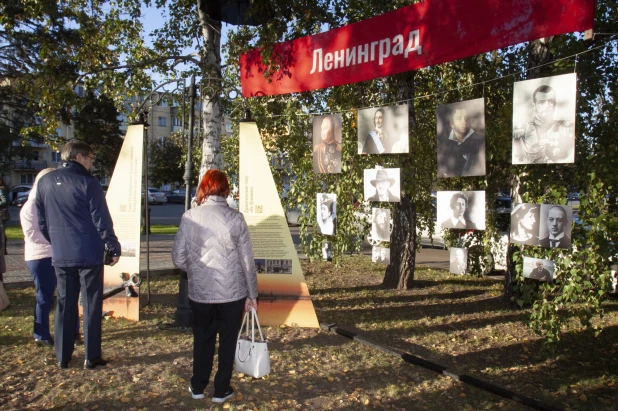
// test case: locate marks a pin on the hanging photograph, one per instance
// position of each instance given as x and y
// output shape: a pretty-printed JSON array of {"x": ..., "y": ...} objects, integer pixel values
[
  {"x": 382, "y": 185},
  {"x": 327, "y": 144},
  {"x": 555, "y": 227},
  {"x": 327, "y": 213},
  {"x": 544, "y": 120},
  {"x": 381, "y": 224},
  {"x": 327, "y": 251},
  {"x": 461, "y": 209},
  {"x": 383, "y": 130},
  {"x": 461, "y": 138},
  {"x": 458, "y": 260},
  {"x": 539, "y": 269},
  {"x": 525, "y": 222},
  {"x": 381, "y": 255}
]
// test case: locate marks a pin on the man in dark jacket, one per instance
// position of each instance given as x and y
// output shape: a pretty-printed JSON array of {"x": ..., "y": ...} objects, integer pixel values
[{"x": 74, "y": 218}]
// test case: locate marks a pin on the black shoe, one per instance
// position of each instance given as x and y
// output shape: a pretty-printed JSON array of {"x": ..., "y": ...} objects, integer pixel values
[
  {"x": 95, "y": 362},
  {"x": 222, "y": 398},
  {"x": 196, "y": 395},
  {"x": 44, "y": 343},
  {"x": 63, "y": 365}
]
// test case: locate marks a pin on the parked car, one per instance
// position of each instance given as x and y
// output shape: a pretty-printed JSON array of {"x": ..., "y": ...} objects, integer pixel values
[
  {"x": 19, "y": 191},
  {"x": 158, "y": 196},
  {"x": 178, "y": 196},
  {"x": 20, "y": 201}
]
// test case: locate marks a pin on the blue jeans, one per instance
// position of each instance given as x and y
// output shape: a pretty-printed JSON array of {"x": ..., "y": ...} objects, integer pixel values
[{"x": 44, "y": 277}]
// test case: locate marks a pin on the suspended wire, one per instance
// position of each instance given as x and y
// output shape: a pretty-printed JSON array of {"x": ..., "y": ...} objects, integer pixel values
[{"x": 439, "y": 93}]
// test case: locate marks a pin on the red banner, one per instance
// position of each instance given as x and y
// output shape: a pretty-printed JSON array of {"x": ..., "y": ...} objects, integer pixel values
[{"x": 416, "y": 36}]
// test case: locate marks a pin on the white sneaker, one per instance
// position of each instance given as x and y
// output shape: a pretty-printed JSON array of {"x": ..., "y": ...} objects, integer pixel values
[
  {"x": 229, "y": 394},
  {"x": 196, "y": 395}
]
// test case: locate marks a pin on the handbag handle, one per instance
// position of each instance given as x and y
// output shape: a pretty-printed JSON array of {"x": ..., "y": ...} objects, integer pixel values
[{"x": 254, "y": 320}]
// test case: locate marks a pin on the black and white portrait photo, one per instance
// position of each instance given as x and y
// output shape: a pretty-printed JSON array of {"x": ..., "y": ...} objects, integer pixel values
[
  {"x": 544, "y": 120},
  {"x": 327, "y": 213},
  {"x": 381, "y": 255},
  {"x": 383, "y": 130},
  {"x": 525, "y": 222},
  {"x": 381, "y": 224},
  {"x": 461, "y": 209},
  {"x": 327, "y": 251},
  {"x": 260, "y": 265},
  {"x": 555, "y": 227},
  {"x": 458, "y": 260},
  {"x": 382, "y": 185},
  {"x": 278, "y": 266},
  {"x": 539, "y": 269},
  {"x": 461, "y": 138},
  {"x": 327, "y": 144}
]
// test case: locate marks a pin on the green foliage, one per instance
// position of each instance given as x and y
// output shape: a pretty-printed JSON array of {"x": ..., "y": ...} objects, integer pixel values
[{"x": 164, "y": 162}]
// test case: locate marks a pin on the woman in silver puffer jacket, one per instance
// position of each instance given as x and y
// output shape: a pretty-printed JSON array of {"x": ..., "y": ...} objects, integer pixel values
[{"x": 214, "y": 249}]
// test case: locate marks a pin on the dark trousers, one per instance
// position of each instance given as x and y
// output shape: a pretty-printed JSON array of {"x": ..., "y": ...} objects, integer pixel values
[
  {"x": 208, "y": 320},
  {"x": 44, "y": 277},
  {"x": 69, "y": 280}
]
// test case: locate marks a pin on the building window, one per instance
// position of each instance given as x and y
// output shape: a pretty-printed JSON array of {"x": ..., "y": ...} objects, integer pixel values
[
  {"x": 162, "y": 139},
  {"x": 79, "y": 90},
  {"x": 55, "y": 156},
  {"x": 27, "y": 178},
  {"x": 161, "y": 122},
  {"x": 176, "y": 122}
]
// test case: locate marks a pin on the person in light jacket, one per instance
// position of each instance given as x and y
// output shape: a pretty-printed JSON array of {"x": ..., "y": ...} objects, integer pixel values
[
  {"x": 38, "y": 253},
  {"x": 213, "y": 247}
]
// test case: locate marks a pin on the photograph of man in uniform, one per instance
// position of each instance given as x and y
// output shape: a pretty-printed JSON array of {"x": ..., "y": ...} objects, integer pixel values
[
  {"x": 327, "y": 213},
  {"x": 381, "y": 224},
  {"x": 383, "y": 130},
  {"x": 327, "y": 144},
  {"x": 555, "y": 226},
  {"x": 382, "y": 185},
  {"x": 381, "y": 255},
  {"x": 461, "y": 210},
  {"x": 461, "y": 139},
  {"x": 544, "y": 120},
  {"x": 458, "y": 260},
  {"x": 536, "y": 269}
]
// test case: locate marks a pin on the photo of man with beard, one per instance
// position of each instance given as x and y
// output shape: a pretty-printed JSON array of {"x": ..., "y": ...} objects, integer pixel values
[{"x": 544, "y": 120}]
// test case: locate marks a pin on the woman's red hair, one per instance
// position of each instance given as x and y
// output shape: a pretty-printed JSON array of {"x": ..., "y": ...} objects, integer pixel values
[{"x": 214, "y": 183}]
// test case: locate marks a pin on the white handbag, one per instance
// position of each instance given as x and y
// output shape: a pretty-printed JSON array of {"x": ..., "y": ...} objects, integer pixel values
[{"x": 252, "y": 356}]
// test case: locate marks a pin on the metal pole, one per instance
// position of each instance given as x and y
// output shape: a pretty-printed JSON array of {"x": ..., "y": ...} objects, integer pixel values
[{"x": 183, "y": 309}]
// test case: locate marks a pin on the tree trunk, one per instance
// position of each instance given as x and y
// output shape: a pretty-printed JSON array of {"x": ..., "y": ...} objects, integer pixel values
[
  {"x": 400, "y": 272},
  {"x": 211, "y": 100}
]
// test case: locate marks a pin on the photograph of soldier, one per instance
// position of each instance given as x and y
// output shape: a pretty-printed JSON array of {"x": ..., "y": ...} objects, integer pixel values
[
  {"x": 461, "y": 138},
  {"x": 327, "y": 213},
  {"x": 458, "y": 260},
  {"x": 555, "y": 231},
  {"x": 538, "y": 269},
  {"x": 525, "y": 221},
  {"x": 260, "y": 265},
  {"x": 327, "y": 251},
  {"x": 381, "y": 255},
  {"x": 381, "y": 224},
  {"x": 461, "y": 209},
  {"x": 382, "y": 185},
  {"x": 327, "y": 144},
  {"x": 383, "y": 130},
  {"x": 544, "y": 120}
]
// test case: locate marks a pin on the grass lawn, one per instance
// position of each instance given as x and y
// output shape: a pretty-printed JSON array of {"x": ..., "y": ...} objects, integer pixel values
[
  {"x": 458, "y": 322},
  {"x": 14, "y": 232}
]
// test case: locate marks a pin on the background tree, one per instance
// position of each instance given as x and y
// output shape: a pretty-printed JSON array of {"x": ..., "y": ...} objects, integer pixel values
[
  {"x": 164, "y": 161},
  {"x": 97, "y": 124}
]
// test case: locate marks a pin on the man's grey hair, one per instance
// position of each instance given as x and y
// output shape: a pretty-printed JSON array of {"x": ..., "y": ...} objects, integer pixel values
[{"x": 73, "y": 148}]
